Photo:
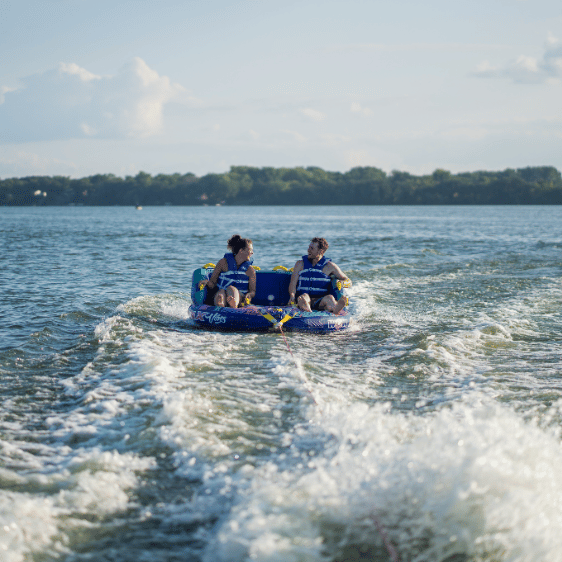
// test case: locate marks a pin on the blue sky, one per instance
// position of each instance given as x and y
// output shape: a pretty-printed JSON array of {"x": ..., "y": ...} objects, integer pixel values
[{"x": 167, "y": 86}]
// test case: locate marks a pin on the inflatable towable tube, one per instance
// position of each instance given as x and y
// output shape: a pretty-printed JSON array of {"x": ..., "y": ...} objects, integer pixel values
[{"x": 268, "y": 310}]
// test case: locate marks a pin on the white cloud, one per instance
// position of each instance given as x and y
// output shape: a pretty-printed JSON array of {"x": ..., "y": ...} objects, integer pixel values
[
  {"x": 357, "y": 108},
  {"x": 468, "y": 133},
  {"x": 24, "y": 162},
  {"x": 527, "y": 69},
  {"x": 371, "y": 157},
  {"x": 74, "y": 69},
  {"x": 335, "y": 140},
  {"x": 354, "y": 158},
  {"x": 415, "y": 47},
  {"x": 486, "y": 69},
  {"x": 4, "y": 90},
  {"x": 71, "y": 102},
  {"x": 313, "y": 114},
  {"x": 297, "y": 137}
]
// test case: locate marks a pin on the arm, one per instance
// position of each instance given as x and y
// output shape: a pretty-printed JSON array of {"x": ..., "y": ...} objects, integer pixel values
[
  {"x": 332, "y": 269},
  {"x": 219, "y": 268},
  {"x": 294, "y": 279},
  {"x": 251, "y": 273}
]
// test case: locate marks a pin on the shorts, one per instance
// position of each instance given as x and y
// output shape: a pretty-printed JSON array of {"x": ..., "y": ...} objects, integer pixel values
[{"x": 316, "y": 304}]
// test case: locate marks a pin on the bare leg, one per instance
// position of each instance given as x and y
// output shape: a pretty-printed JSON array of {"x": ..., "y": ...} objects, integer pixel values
[
  {"x": 329, "y": 304},
  {"x": 220, "y": 297},
  {"x": 340, "y": 305},
  {"x": 232, "y": 297}
]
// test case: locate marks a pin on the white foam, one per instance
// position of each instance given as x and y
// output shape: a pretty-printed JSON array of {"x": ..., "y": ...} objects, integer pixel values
[
  {"x": 473, "y": 480},
  {"x": 27, "y": 524},
  {"x": 299, "y": 457},
  {"x": 88, "y": 482}
]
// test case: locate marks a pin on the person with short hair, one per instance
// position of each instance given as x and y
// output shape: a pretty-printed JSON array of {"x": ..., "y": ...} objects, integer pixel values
[
  {"x": 234, "y": 275},
  {"x": 311, "y": 280}
]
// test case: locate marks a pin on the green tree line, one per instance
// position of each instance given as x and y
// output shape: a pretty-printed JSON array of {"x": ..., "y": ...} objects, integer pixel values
[{"x": 245, "y": 185}]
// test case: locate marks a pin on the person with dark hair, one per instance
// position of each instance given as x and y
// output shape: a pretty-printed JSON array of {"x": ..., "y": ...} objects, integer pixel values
[
  {"x": 311, "y": 280},
  {"x": 234, "y": 275}
]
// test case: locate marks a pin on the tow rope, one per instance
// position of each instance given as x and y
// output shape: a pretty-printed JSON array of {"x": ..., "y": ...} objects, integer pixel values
[
  {"x": 389, "y": 546},
  {"x": 286, "y": 342},
  {"x": 279, "y": 325},
  {"x": 380, "y": 528}
]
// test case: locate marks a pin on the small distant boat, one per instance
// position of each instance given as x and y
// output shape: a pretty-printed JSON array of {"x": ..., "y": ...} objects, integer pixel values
[
  {"x": 138, "y": 207},
  {"x": 268, "y": 310}
]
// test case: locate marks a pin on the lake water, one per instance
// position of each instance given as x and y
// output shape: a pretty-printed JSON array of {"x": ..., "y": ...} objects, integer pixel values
[{"x": 430, "y": 431}]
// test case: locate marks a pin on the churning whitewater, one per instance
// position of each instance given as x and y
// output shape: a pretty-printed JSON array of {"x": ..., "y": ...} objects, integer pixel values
[{"x": 428, "y": 431}]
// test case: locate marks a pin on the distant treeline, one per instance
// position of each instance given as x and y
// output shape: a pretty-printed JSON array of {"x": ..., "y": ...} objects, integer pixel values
[{"x": 244, "y": 185}]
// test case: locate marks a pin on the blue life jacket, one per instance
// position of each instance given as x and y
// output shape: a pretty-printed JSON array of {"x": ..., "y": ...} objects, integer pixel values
[
  {"x": 235, "y": 276},
  {"x": 312, "y": 280}
]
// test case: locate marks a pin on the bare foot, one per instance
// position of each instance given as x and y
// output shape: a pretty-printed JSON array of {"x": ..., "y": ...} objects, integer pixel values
[{"x": 303, "y": 304}]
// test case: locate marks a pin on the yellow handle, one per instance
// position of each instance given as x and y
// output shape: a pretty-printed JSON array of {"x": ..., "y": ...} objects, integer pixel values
[
  {"x": 346, "y": 283},
  {"x": 201, "y": 285},
  {"x": 208, "y": 265},
  {"x": 280, "y": 267},
  {"x": 256, "y": 267},
  {"x": 286, "y": 318}
]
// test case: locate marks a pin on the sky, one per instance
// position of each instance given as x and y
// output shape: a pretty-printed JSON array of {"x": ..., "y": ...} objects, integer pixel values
[{"x": 197, "y": 86}]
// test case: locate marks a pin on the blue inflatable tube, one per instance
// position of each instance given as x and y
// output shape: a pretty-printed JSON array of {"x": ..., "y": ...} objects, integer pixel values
[{"x": 268, "y": 311}]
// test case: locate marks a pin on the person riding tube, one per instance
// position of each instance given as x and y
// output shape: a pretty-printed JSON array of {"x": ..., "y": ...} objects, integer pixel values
[
  {"x": 234, "y": 275},
  {"x": 311, "y": 280}
]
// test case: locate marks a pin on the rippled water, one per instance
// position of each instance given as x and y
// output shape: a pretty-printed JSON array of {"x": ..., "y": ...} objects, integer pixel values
[{"x": 431, "y": 427}]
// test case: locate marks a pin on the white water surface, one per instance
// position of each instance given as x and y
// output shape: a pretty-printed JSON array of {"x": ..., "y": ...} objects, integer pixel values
[{"x": 128, "y": 434}]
